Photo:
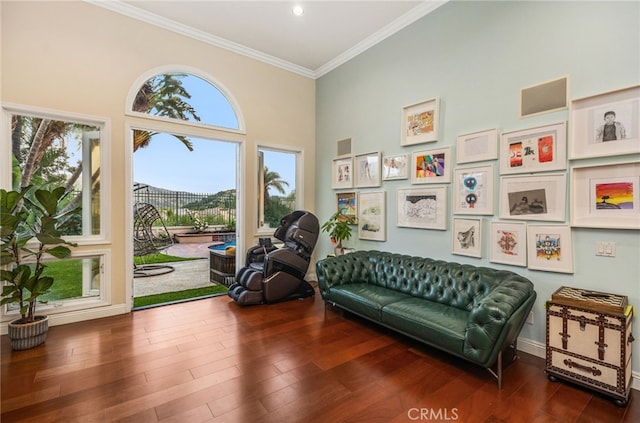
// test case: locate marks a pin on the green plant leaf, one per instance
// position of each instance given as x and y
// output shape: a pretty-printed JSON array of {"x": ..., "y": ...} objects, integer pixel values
[
  {"x": 59, "y": 251},
  {"x": 50, "y": 199},
  {"x": 41, "y": 286}
]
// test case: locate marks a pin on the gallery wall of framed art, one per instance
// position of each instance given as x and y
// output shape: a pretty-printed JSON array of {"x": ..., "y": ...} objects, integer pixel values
[
  {"x": 485, "y": 101},
  {"x": 534, "y": 179}
]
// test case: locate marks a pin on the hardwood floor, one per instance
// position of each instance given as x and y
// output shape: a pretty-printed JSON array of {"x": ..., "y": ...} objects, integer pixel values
[{"x": 299, "y": 361}]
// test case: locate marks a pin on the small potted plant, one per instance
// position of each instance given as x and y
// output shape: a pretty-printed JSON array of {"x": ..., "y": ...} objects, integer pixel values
[
  {"x": 339, "y": 229},
  {"x": 29, "y": 231}
]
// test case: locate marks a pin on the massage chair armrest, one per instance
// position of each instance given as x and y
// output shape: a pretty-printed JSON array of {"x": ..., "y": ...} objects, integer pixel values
[
  {"x": 257, "y": 254},
  {"x": 286, "y": 260}
]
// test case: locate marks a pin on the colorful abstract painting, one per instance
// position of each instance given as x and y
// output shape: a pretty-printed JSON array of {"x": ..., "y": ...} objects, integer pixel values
[
  {"x": 548, "y": 246},
  {"x": 507, "y": 242},
  {"x": 430, "y": 165},
  {"x": 614, "y": 196}
]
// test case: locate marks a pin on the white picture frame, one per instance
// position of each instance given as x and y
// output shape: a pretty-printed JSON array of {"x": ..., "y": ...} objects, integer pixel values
[
  {"x": 367, "y": 170},
  {"x": 422, "y": 208},
  {"x": 606, "y": 196},
  {"x": 467, "y": 237},
  {"x": 587, "y": 115},
  {"x": 534, "y": 150},
  {"x": 395, "y": 167},
  {"x": 477, "y": 146},
  {"x": 473, "y": 190},
  {"x": 419, "y": 122},
  {"x": 372, "y": 216},
  {"x": 539, "y": 197},
  {"x": 508, "y": 243},
  {"x": 342, "y": 172},
  {"x": 431, "y": 166},
  {"x": 550, "y": 248}
]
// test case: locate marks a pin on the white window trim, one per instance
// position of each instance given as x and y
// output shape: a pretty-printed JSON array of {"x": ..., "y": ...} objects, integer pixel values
[
  {"x": 299, "y": 179},
  {"x": 9, "y": 109},
  {"x": 76, "y": 304}
]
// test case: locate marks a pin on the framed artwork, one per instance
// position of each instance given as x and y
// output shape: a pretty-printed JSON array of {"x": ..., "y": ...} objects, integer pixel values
[
  {"x": 605, "y": 124},
  {"x": 431, "y": 166},
  {"x": 420, "y": 122},
  {"x": 467, "y": 237},
  {"x": 372, "y": 216},
  {"x": 534, "y": 150},
  {"x": 606, "y": 196},
  {"x": 477, "y": 146},
  {"x": 508, "y": 243},
  {"x": 347, "y": 205},
  {"x": 550, "y": 248},
  {"x": 473, "y": 190},
  {"x": 395, "y": 167},
  {"x": 533, "y": 197},
  {"x": 422, "y": 208},
  {"x": 546, "y": 97},
  {"x": 341, "y": 170},
  {"x": 367, "y": 168}
]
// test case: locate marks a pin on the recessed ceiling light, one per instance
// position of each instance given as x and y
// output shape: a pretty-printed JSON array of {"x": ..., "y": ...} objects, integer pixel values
[{"x": 298, "y": 10}]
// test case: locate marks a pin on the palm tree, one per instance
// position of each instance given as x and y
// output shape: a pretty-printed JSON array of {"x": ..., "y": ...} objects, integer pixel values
[
  {"x": 163, "y": 95},
  {"x": 273, "y": 180},
  {"x": 33, "y": 138}
]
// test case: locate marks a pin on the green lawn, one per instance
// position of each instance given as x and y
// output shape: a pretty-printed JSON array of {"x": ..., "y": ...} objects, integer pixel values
[
  {"x": 68, "y": 274},
  {"x": 170, "y": 297}
]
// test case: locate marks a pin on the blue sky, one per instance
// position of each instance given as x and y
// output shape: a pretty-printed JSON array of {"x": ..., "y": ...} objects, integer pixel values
[{"x": 211, "y": 166}]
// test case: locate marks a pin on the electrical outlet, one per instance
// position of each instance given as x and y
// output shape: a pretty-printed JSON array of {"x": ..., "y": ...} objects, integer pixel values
[{"x": 530, "y": 318}]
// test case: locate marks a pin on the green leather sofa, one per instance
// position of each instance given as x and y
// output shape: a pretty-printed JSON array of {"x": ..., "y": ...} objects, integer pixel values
[{"x": 475, "y": 313}]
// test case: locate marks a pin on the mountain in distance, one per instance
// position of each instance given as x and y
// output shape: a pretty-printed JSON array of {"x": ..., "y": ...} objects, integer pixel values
[{"x": 165, "y": 198}]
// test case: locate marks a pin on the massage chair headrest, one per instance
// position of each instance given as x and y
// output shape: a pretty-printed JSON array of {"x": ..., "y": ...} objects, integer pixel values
[{"x": 300, "y": 227}]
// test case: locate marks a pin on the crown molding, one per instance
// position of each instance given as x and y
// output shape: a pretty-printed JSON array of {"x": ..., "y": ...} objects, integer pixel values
[
  {"x": 168, "y": 24},
  {"x": 408, "y": 18}
]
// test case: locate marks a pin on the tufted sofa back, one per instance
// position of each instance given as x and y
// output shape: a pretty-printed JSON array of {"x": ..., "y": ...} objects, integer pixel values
[{"x": 458, "y": 285}]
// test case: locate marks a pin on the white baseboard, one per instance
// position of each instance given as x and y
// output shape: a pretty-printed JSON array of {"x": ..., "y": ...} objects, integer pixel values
[
  {"x": 539, "y": 349},
  {"x": 78, "y": 316}
]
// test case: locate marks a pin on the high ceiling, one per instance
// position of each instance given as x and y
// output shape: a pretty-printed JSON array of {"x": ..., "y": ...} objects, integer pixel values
[{"x": 328, "y": 33}]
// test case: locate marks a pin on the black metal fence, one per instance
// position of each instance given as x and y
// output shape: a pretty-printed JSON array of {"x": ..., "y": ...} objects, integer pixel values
[{"x": 179, "y": 208}]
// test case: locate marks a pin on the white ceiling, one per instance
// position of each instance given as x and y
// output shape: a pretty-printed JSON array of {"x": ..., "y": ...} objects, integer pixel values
[{"x": 329, "y": 33}]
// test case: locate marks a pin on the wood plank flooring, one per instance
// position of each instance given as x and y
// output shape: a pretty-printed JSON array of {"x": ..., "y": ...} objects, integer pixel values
[{"x": 299, "y": 361}]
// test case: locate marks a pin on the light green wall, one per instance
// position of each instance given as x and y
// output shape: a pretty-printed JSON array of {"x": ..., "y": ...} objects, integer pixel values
[{"x": 476, "y": 56}]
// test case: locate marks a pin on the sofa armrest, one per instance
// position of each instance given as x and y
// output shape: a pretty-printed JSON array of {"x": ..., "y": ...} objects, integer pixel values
[
  {"x": 348, "y": 268},
  {"x": 497, "y": 318}
]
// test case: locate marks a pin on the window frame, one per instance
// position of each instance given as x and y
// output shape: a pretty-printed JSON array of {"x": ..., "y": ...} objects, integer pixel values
[
  {"x": 137, "y": 84},
  {"x": 299, "y": 160},
  {"x": 9, "y": 109}
]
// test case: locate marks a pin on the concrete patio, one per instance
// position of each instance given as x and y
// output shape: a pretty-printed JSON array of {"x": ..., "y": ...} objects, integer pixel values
[{"x": 187, "y": 274}]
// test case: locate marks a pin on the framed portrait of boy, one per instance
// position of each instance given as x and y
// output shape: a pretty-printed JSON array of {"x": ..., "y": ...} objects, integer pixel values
[{"x": 605, "y": 124}]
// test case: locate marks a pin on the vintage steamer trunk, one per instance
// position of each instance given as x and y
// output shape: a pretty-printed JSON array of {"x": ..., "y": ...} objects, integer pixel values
[{"x": 589, "y": 341}]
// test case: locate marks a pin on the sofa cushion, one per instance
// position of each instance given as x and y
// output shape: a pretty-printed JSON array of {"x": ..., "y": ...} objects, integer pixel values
[
  {"x": 438, "y": 324},
  {"x": 365, "y": 299}
]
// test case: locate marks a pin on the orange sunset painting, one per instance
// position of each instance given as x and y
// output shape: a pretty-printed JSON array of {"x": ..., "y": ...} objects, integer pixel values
[{"x": 614, "y": 195}]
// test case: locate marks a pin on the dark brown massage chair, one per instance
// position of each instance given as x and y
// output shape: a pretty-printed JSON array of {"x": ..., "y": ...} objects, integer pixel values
[{"x": 274, "y": 274}]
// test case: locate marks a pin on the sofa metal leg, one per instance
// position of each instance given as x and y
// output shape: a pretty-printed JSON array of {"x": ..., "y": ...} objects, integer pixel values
[{"x": 498, "y": 372}]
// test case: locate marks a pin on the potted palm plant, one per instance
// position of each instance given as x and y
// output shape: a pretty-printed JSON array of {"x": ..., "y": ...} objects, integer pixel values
[
  {"x": 30, "y": 230},
  {"x": 339, "y": 229}
]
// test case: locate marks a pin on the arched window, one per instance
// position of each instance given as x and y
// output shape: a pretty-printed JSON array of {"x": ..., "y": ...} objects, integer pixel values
[{"x": 186, "y": 97}]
